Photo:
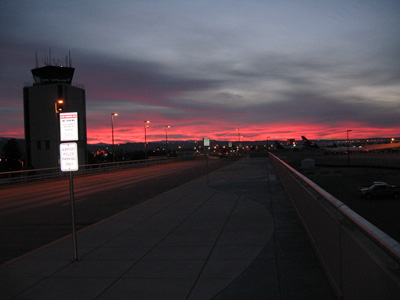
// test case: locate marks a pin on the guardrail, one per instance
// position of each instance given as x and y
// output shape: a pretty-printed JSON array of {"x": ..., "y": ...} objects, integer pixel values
[
  {"x": 25, "y": 176},
  {"x": 361, "y": 261}
]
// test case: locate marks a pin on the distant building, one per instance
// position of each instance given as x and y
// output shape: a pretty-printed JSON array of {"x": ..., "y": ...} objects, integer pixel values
[
  {"x": 41, "y": 114},
  {"x": 291, "y": 142}
]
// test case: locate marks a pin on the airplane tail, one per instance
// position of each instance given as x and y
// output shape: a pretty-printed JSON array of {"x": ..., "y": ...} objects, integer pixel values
[{"x": 307, "y": 143}]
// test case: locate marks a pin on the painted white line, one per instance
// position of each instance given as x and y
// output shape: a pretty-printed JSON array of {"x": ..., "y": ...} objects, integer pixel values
[
  {"x": 129, "y": 186},
  {"x": 83, "y": 199},
  {"x": 76, "y": 201}
]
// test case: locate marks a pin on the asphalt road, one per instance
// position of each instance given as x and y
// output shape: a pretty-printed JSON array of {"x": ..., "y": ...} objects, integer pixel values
[{"x": 36, "y": 214}]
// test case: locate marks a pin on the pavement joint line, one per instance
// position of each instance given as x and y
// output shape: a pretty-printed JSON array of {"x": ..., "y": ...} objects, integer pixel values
[
  {"x": 44, "y": 278},
  {"x": 274, "y": 238},
  {"x": 88, "y": 227},
  {"x": 71, "y": 262},
  {"x": 212, "y": 249},
  {"x": 158, "y": 243},
  {"x": 264, "y": 276},
  {"x": 123, "y": 212}
]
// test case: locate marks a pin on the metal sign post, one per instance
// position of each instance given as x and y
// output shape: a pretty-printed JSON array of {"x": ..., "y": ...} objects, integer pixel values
[
  {"x": 206, "y": 142},
  {"x": 69, "y": 161},
  {"x": 71, "y": 193}
]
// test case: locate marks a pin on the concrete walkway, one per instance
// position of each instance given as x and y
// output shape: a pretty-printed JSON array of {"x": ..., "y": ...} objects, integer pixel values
[{"x": 236, "y": 237}]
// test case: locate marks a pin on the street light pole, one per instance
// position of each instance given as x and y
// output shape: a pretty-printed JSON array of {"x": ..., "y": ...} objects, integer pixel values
[
  {"x": 237, "y": 129},
  {"x": 166, "y": 137},
  {"x": 112, "y": 133},
  {"x": 58, "y": 106},
  {"x": 348, "y": 149},
  {"x": 146, "y": 125}
]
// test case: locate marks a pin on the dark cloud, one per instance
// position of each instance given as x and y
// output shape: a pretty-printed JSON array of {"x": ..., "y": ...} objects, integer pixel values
[
  {"x": 308, "y": 108},
  {"x": 135, "y": 80},
  {"x": 211, "y": 66}
]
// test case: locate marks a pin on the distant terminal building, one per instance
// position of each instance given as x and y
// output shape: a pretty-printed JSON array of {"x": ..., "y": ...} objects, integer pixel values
[{"x": 50, "y": 93}]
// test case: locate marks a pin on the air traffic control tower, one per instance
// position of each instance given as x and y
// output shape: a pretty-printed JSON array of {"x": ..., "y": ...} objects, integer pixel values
[{"x": 52, "y": 92}]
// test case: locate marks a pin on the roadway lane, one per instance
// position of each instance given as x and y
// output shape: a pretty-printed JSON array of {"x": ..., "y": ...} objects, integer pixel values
[
  {"x": 36, "y": 195},
  {"x": 35, "y": 214}
]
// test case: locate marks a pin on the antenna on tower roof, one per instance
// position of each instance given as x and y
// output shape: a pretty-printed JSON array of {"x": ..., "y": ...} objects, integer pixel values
[{"x": 70, "y": 61}]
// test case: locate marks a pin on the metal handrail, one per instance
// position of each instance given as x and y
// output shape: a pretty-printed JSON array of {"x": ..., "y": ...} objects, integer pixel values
[
  {"x": 386, "y": 242},
  {"x": 25, "y": 176}
]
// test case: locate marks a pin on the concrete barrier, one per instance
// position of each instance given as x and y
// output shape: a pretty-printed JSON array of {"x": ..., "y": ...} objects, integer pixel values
[{"x": 360, "y": 260}]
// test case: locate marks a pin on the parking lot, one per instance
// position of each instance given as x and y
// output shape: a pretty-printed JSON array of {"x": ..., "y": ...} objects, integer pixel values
[{"x": 332, "y": 173}]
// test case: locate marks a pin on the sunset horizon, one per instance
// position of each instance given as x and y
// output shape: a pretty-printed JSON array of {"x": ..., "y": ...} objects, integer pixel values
[
  {"x": 157, "y": 135},
  {"x": 273, "y": 70}
]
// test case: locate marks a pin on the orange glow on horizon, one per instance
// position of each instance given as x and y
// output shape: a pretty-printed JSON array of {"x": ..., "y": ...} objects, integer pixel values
[
  {"x": 221, "y": 132},
  {"x": 156, "y": 133}
]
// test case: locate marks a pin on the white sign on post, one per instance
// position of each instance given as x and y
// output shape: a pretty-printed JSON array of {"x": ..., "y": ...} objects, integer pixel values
[
  {"x": 206, "y": 142},
  {"x": 69, "y": 157},
  {"x": 69, "y": 126}
]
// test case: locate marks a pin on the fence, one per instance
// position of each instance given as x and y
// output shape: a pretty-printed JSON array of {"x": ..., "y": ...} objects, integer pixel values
[{"x": 360, "y": 260}]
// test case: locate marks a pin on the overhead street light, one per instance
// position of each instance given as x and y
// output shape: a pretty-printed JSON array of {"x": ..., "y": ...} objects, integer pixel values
[
  {"x": 348, "y": 149},
  {"x": 112, "y": 133},
  {"x": 238, "y": 130},
  {"x": 59, "y": 106},
  {"x": 166, "y": 136},
  {"x": 146, "y": 125}
]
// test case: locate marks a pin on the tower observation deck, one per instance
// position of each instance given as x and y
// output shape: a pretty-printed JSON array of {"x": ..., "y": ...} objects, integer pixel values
[
  {"x": 52, "y": 74},
  {"x": 52, "y": 85}
]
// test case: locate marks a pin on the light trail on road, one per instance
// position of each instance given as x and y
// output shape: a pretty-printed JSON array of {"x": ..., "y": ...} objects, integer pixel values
[{"x": 34, "y": 195}]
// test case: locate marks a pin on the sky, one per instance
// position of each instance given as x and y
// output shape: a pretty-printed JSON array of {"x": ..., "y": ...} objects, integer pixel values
[{"x": 272, "y": 69}]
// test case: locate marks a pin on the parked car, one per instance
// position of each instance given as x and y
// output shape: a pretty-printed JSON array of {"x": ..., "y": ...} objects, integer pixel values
[{"x": 380, "y": 189}]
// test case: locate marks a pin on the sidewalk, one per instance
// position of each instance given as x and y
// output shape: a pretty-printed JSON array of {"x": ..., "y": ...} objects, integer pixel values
[{"x": 237, "y": 238}]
